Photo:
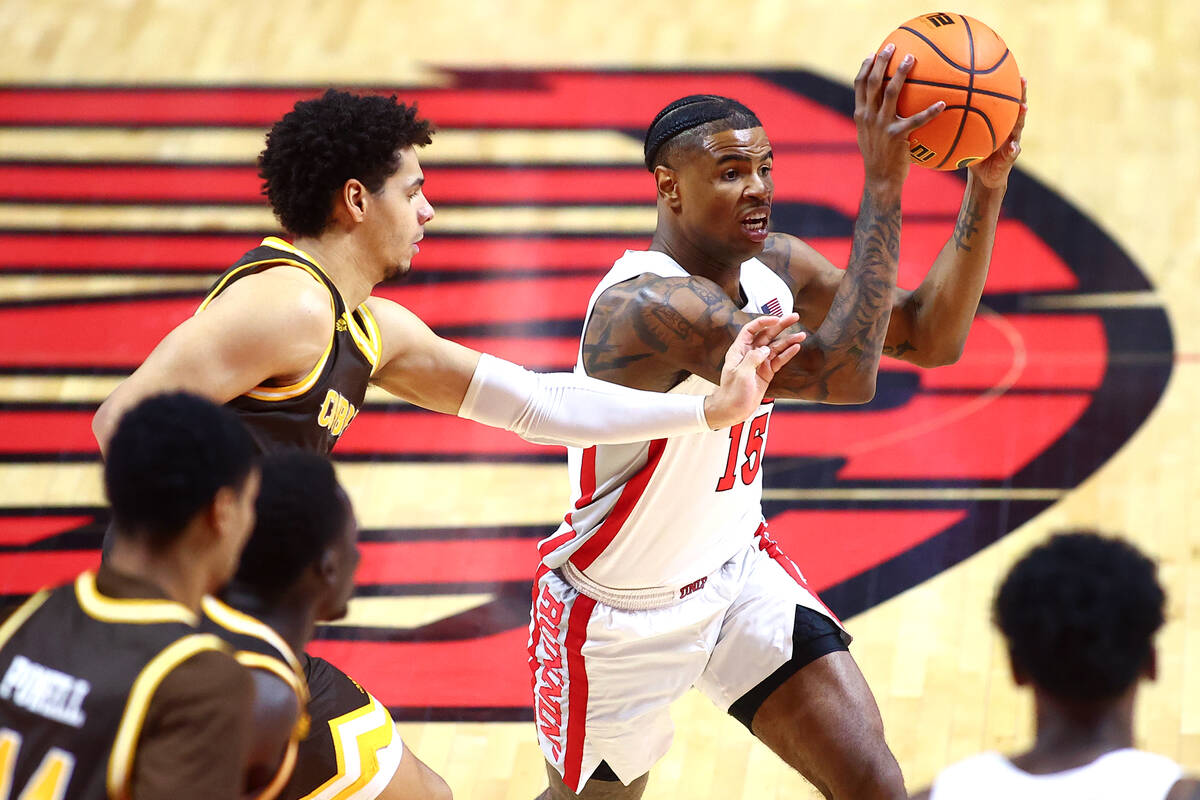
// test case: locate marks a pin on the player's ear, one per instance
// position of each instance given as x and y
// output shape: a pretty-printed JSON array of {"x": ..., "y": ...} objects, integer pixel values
[
  {"x": 327, "y": 567},
  {"x": 222, "y": 512},
  {"x": 353, "y": 200},
  {"x": 667, "y": 181}
]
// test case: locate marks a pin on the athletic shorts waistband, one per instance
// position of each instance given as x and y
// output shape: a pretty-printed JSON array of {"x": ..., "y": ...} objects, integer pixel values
[{"x": 650, "y": 599}]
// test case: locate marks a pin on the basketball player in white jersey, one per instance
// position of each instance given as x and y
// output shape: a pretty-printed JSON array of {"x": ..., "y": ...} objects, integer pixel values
[
  {"x": 1079, "y": 614},
  {"x": 663, "y": 575}
]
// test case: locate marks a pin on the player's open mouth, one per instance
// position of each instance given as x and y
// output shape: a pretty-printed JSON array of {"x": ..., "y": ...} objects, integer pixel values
[{"x": 755, "y": 226}]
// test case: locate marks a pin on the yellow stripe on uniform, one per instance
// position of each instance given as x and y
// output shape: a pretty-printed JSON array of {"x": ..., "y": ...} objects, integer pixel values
[
  {"x": 366, "y": 343},
  {"x": 120, "y": 763},
  {"x": 239, "y": 622},
  {"x": 359, "y": 738},
  {"x": 18, "y": 617},
  {"x": 367, "y": 340},
  {"x": 373, "y": 334},
  {"x": 109, "y": 609},
  {"x": 278, "y": 393},
  {"x": 251, "y": 660}
]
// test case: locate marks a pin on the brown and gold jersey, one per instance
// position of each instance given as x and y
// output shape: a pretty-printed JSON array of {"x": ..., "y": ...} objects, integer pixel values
[
  {"x": 257, "y": 646},
  {"x": 311, "y": 413},
  {"x": 78, "y": 671}
]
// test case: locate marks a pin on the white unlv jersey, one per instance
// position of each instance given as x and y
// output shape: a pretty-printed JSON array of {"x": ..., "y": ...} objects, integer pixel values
[
  {"x": 665, "y": 513},
  {"x": 1118, "y": 775}
]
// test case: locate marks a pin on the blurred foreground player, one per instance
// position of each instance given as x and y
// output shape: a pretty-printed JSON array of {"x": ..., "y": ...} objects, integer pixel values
[
  {"x": 1079, "y": 614},
  {"x": 298, "y": 570},
  {"x": 109, "y": 689},
  {"x": 290, "y": 336}
]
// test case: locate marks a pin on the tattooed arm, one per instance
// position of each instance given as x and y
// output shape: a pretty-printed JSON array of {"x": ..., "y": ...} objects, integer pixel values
[
  {"x": 928, "y": 325},
  {"x": 651, "y": 332}
]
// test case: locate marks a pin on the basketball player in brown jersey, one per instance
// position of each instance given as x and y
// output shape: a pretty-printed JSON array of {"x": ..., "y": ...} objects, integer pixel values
[
  {"x": 296, "y": 570},
  {"x": 290, "y": 337},
  {"x": 1079, "y": 614},
  {"x": 109, "y": 689},
  {"x": 711, "y": 161}
]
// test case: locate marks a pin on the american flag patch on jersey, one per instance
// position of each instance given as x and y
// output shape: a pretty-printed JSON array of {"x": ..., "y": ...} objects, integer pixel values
[{"x": 773, "y": 307}]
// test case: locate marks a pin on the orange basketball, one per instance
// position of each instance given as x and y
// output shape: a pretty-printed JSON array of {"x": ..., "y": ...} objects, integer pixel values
[{"x": 963, "y": 62}]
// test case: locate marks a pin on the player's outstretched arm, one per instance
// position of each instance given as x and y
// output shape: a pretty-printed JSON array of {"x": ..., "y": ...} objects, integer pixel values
[
  {"x": 274, "y": 326},
  {"x": 564, "y": 408}
]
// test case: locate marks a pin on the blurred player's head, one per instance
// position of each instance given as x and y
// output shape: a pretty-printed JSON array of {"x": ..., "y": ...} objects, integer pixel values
[
  {"x": 348, "y": 163},
  {"x": 711, "y": 161},
  {"x": 1080, "y": 613},
  {"x": 180, "y": 466},
  {"x": 305, "y": 540}
]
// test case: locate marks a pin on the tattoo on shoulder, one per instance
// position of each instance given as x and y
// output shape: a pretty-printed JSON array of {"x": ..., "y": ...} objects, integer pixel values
[
  {"x": 638, "y": 322},
  {"x": 967, "y": 226}
]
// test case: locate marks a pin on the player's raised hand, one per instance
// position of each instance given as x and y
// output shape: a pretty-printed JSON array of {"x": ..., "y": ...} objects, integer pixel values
[
  {"x": 762, "y": 347},
  {"x": 993, "y": 171},
  {"x": 882, "y": 133}
]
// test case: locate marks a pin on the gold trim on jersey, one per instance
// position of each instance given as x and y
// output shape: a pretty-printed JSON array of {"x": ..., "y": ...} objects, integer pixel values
[
  {"x": 363, "y": 747},
  {"x": 374, "y": 338},
  {"x": 252, "y": 660},
  {"x": 236, "y": 621},
  {"x": 23, "y": 612},
  {"x": 365, "y": 336},
  {"x": 274, "y": 394},
  {"x": 120, "y": 763},
  {"x": 135, "y": 611}
]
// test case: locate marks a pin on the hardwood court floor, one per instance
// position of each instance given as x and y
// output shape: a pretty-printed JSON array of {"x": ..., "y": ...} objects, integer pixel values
[{"x": 1114, "y": 104}]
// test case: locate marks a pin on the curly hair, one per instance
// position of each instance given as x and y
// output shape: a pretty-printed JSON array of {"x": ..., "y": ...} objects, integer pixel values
[
  {"x": 320, "y": 144},
  {"x": 1080, "y": 613}
]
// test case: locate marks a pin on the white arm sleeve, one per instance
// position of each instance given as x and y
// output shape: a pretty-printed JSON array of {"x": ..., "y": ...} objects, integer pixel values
[{"x": 574, "y": 410}]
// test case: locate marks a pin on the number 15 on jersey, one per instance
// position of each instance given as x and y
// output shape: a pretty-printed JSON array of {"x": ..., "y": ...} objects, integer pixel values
[{"x": 746, "y": 453}]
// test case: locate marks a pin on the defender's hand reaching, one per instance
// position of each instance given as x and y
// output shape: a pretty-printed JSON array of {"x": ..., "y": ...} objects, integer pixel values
[{"x": 762, "y": 347}]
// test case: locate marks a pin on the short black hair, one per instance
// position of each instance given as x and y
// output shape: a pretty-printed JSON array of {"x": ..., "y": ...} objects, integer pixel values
[
  {"x": 170, "y": 455},
  {"x": 301, "y": 511},
  {"x": 1080, "y": 613},
  {"x": 684, "y": 123},
  {"x": 320, "y": 144}
]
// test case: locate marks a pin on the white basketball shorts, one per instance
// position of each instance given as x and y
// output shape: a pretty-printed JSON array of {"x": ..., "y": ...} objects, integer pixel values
[{"x": 604, "y": 678}]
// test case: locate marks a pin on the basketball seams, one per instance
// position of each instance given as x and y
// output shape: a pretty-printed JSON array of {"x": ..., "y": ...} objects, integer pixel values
[
  {"x": 958, "y": 87},
  {"x": 935, "y": 49},
  {"x": 962, "y": 121},
  {"x": 993, "y": 67},
  {"x": 955, "y": 34}
]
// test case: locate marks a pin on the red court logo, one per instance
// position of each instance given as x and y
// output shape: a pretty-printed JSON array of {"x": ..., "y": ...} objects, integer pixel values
[{"x": 1057, "y": 373}]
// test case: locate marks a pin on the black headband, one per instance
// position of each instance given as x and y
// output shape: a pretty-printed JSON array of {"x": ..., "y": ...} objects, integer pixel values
[{"x": 687, "y": 113}]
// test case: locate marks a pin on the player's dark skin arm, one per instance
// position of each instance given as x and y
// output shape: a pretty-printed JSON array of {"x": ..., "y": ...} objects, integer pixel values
[
  {"x": 275, "y": 715},
  {"x": 928, "y": 325},
  {"x": 650, "y": 332}
]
